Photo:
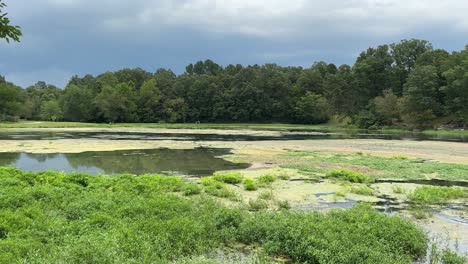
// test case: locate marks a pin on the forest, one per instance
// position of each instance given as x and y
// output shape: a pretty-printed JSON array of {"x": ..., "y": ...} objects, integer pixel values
[{"x": 406, "y": 84}]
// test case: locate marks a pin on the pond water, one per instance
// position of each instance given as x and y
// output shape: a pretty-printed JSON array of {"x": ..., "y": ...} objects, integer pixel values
[
  {"x": 282, "y": 135},
  {"x": 195, "y": 162}
]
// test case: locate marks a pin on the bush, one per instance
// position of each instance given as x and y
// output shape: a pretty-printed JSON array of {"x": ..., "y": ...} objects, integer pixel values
[
  {"x": 191, "y": 189},
  {"x": 348, "y": 175},
  {"x": 363, "y": 190},
  {"x": 250, "y": 184},
  {"x": 257, "y": 205},
  {"x": 427, "y": 195},
  {"x": 266, "y": 195},
  {"x": 230, "y": 177},
  {"x": 284, "y": 205},
  {"x": 266, "y": 179}
]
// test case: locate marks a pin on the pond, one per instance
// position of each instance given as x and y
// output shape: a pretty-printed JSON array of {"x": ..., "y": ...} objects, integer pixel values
[{"x": 194, "y": 162}]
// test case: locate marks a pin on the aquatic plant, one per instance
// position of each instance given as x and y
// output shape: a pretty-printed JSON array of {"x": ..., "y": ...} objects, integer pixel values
[
  {"x": 428, "y": 195},
  {"x": 362, "y": 190},
  {"x": 348, "y": 175}
]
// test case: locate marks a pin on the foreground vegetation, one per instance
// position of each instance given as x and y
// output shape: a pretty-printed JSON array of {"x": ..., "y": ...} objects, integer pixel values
[{"x": 51, "y": 217}]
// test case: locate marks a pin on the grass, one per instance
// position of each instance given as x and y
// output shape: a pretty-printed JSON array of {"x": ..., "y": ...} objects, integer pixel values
[
  {"x": 52, "y": 217},
  {"x": 313, "y": 162},
  {"x": 266, "y": 195},
  {"x": 362, "y": 190},
  {"x": 266, "y": 179},
  {"x": 398, "y": 189},
  {"x": 257, "y": 204},
  {"x": 348, "y": 175},
  {"x": 431, "y": 195}
]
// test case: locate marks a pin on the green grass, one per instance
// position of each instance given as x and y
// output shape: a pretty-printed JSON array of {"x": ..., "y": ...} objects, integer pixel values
[
  {"x": 348, "y": 175},
  {"x": 310, "y": 162},
  {"x": 266, "y": 179},
  {"x": 428, "y": 195},
  {"x": 362, "y": 190},
  {"x": 52, "y": 217}
]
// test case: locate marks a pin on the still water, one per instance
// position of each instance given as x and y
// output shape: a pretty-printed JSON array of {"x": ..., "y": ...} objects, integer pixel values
[{"x": 195, "y": 162}]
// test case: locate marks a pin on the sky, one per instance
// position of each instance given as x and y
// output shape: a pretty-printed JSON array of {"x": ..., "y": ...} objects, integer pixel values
[{"x": 67, "y": 37}]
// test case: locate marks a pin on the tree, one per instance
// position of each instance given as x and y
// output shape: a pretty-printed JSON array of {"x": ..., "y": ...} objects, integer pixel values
[
  {"x": 8, "y": 31},
  {"x": 311, "y": 109},
  {"x": 419, "y": 104},
  {"x": 10, "y": 101},
  {"x": 51, "y": 110},
  {"x": 405, "y": 54},
  {"x": 117, "y": 104},
  {"x": 386, "y": 108},
  {"x": 77, "y": 103},
  {"x": 456, "y": 90},
  {"x": 149, "y": 102}
]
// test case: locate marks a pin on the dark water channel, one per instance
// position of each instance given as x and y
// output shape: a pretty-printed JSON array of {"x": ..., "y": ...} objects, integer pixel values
[{"x": 195, "y": 162}]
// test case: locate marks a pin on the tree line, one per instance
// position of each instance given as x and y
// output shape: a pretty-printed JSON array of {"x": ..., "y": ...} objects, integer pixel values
[{"x": 408, "y": 83}]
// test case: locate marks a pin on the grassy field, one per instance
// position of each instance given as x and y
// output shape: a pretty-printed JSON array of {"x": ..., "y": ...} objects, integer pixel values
[
  {"x": 395, "y": 167},
  {"x": 51, "y": 217}
]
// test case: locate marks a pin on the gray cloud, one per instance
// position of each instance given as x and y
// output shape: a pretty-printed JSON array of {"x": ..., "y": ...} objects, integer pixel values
[{"x": 89, "y": 36}]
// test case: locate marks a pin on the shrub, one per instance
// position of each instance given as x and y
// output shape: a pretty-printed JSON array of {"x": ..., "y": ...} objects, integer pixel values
[
  {"x": 230, "y": 177},
  {"x": 436, "y": 195},
  {"x": 363, "y": 190},
  {"x": 348, "y": 175},
  {"x": 450, "y": 257},
  {"x": 266, "y": 195},
  {"x": 284, "y": 205},
  {"x": 191, "y": 189},
  {"x": 398, "y": 189},
  {"x": 266, "y": 179},
  {"x": 250, "y": 184},
  {"x": 257, "y": 205}
]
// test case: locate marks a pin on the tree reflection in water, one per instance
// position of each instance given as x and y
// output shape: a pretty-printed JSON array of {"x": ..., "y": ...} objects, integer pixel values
[{"x": 171, "y": 161}]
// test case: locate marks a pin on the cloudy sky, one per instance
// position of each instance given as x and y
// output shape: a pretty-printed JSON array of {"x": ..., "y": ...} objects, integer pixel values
[{"x": 66, "y": 37}]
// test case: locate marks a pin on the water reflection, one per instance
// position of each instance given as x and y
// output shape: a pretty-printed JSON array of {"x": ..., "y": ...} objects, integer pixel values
[{"x": 170, "y": 161}]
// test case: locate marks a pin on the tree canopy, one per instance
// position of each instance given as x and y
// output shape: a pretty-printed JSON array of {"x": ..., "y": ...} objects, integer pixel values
[
  {"x": 401, "y": 84},
  {"x": 8, "y": 31}
]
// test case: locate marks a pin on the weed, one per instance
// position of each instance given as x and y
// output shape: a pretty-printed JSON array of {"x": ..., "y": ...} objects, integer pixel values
[
  {"x": 191, "y": 189},
  {"x": 430, "y": 195},
  {"x": 257, "y": 204},
  {"x": 230, "y": 177},
  {"x": 398, "y": 189},
  {"x": 284, "y": 205},
  {"x": 266, "y": 195},
  {"x": 348, "y": 175},
  {"x": 250, "y": 184},
  {"x": 363, "y": 190},
  {"x": 266, "y": 180}
]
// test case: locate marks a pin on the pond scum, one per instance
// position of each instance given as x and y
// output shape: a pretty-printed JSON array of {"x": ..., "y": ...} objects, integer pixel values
[{"x": 52, "y": 217}]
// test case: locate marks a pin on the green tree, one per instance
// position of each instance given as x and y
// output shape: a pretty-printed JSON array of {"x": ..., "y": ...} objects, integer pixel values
[
  {"x": 149, "y": 102},
  {"x": 51, "y": 110},
  {"x": 419, "y": 105},
  {"x": 8, "y": 31},
  {"x": 117, "y": 104},
  {"x": 311, "y": 109},
  {"x": 10, "y": 101},
  {"x": 456, "y": 90},
  {"x": 386, "y": 108},
  {"x": 405, "y": 54},
  {"x": 77, "y": 103}
]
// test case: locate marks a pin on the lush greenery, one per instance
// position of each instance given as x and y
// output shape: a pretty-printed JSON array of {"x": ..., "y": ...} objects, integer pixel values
[
  {"x": 8, "y": 31},
  {"x": 429, "y": 195},
  {"x": 348, "y": 175},
  {"x": 407, "y": 83},
  {"x": 51, "y": 217},
  {"x": 317, "y": 163}
]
